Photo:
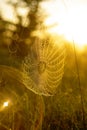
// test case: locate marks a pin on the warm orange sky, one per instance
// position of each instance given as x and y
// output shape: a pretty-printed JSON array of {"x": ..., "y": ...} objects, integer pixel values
[{"x": 69, "y": 17}]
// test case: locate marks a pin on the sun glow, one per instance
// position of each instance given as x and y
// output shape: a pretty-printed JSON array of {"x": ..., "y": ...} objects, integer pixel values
[
  {"x": 70, "y": 21},
  {"x": 5, "y": 104}
]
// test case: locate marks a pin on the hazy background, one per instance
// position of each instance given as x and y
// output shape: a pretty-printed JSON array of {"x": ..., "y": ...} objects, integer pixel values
[{"x": 20, "y": 22}]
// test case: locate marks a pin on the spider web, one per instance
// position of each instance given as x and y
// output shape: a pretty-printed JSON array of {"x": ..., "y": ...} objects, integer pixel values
[{"x": 44, "y": 66}]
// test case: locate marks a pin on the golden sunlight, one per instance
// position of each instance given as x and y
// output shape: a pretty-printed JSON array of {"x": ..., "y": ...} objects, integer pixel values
[
  {"x": 70, "y": 19},
  {"x": 5, "y": 104}
]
